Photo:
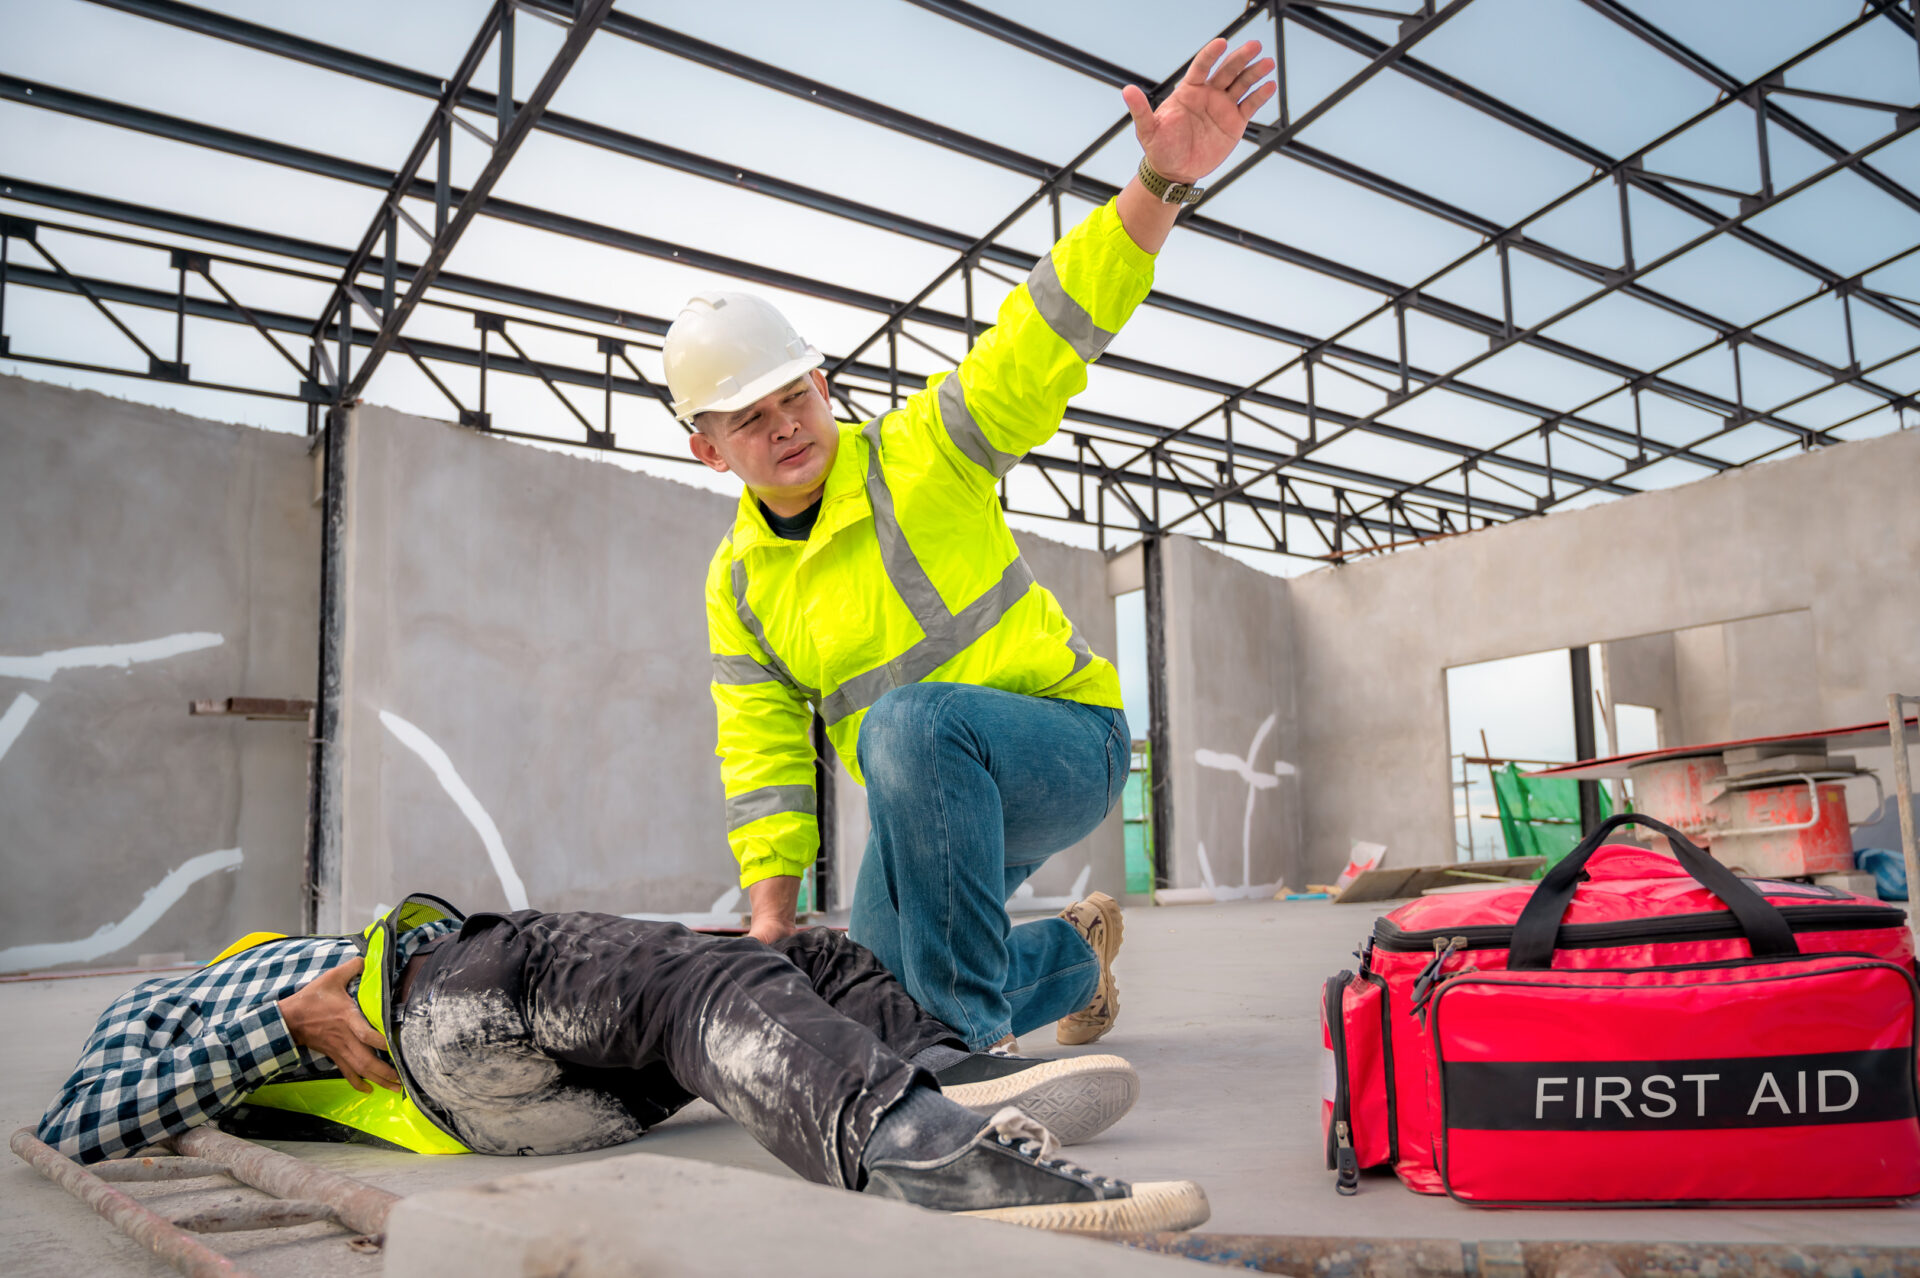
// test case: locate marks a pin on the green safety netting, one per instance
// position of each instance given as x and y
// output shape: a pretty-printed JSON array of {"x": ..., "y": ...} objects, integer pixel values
[{"x": 1540, "y": 816}]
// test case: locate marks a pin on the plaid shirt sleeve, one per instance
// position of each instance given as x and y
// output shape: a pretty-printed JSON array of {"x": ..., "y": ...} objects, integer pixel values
[{"x": 174, "y": 1052}]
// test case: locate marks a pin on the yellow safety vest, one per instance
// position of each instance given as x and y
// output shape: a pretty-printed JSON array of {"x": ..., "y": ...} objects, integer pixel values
[
  {"x": 390, "y": 1116},
  {"x": 910, "y": 572}
]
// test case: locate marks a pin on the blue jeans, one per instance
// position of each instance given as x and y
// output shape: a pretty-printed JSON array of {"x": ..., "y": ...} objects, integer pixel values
[{"x": 970, "y": 790}]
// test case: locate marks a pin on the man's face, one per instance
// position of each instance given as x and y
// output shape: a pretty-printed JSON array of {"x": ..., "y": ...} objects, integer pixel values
[{"x": 781, "y": 445}]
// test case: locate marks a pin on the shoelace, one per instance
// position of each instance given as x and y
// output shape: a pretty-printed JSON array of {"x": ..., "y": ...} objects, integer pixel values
[{"x": 1014, "y": 1130}]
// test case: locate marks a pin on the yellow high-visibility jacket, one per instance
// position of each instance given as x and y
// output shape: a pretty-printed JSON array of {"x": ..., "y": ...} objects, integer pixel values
[
  {"x": 910, "y": 572},
  {"x": 395, "y": 1117}
]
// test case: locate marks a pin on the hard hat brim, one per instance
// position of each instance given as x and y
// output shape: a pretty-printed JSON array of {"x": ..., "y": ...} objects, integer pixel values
[{"x": 765, "y": 384}]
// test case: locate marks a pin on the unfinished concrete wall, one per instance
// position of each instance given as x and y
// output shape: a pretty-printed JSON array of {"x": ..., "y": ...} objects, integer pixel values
[
  {"x": 527, "y": 718},
  {"x": 1232, "y": 727},
  {"x": 1642, "y": 672},
  {"x": 1078, "y": 579},
  {"x": 148, "y": 559},
  {"x": 1806, "y": 566}
]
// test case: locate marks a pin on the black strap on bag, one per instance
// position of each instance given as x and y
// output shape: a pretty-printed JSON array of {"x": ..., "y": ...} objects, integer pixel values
[{"x": 1768, "y": 934}]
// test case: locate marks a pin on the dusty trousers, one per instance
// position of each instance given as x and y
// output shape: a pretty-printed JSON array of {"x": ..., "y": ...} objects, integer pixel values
[{"x": 534, "y": 1033}]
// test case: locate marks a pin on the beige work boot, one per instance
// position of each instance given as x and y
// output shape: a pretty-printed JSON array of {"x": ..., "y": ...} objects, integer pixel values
[{"x": 1097, "y": 919}]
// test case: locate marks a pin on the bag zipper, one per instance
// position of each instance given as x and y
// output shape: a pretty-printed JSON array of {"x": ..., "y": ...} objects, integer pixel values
[
  {"x": 1711, "y": 925},
  {"x": 1386, "y": 1055},
  {"x": 1703, "y": 965},
  {"x": 1340, "y": 1155}
]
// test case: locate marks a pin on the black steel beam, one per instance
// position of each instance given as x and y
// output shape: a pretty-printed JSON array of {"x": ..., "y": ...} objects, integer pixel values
[
  {"x": 1265, "y": 138},
  {"x": 1360, "y": 42},
  {"x": 305, "y": 250},
  {"x": 717, "y": 58},
  {"x": 388, "y": 74},
  {"x": 121, "y": 115},
  {"x": 201, "y": 228},
  {"x": 710, "y": 168},
  {"x": 1037, "y": 43},
  {"x": 1751, "y": 209},
  {"x": 583, "y": 21},
  {"x": 594, "y": 379},
  {"x": 1645, "y": 30}
]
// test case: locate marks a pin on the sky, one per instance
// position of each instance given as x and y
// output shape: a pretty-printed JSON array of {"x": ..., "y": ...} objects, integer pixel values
[{"x": 1556, "y": 59}]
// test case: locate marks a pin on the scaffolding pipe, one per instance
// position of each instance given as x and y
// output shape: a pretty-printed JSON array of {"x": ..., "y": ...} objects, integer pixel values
[
  {"x": 1349, "y": 1257},
  {"x": 154, "y": 1232},
  {"x": 357, "y": 1205}
]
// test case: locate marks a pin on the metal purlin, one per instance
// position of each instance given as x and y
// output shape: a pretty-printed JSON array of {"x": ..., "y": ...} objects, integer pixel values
[{"x": 1174, "y": 455}]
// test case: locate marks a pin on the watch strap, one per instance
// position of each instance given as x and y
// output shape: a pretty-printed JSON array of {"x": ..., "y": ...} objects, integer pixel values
[{"x": 1165, "y": 190}]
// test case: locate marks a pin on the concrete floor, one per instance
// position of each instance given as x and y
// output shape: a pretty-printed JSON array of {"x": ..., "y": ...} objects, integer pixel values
[{"x": 1219, "y": 1015}]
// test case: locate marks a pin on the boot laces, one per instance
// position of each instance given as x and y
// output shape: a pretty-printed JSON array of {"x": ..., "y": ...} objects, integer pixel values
[{"x": 1030, "y": 1139}]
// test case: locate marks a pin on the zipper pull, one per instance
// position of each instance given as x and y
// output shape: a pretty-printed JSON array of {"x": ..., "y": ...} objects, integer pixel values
[
  {"x": 1347, "y": 1183},
  {"x": 1444, "y": 948}
]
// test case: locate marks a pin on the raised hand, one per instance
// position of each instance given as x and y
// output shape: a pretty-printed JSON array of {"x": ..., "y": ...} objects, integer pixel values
[
  {"x": 1196, "y": 128},
  {"x": 322, "y": 1016}
]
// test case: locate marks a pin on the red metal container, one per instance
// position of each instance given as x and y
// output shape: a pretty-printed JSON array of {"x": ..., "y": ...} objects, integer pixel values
[
  {"x": 1782, "y": 830},
  {"x": 1681, "y": 792}
]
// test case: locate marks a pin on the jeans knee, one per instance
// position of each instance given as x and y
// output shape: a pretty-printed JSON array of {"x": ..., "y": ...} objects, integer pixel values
[{"x": 899, "y": 733}]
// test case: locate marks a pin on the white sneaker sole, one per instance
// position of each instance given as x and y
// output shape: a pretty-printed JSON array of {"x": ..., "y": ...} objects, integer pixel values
[
  {"x": 1155, "y": 1206},
  {"x": 1076, "y": 1098}
]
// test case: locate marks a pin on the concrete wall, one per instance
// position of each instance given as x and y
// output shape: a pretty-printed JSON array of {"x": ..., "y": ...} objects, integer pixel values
[
  {"x": 1078, "y": 578},
  {"x": 1791, "y": 582},
  {"x": 536, "y": 621},
  {"x": 147, "y": 559},
  {"x": 526, "y": 673},
  {"x": 1232, "y": 726},
  {"x": 1642, "y": 672}
]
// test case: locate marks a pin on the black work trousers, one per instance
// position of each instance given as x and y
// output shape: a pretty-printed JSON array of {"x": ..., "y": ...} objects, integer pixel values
[{"x": 534, "y": 1033}]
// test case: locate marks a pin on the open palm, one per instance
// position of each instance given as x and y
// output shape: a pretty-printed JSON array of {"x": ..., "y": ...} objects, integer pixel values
[{"x": 1203, "y": 119}]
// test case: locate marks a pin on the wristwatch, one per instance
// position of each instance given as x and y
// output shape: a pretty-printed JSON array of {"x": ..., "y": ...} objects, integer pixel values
[{"x": 1165, "y": 191}]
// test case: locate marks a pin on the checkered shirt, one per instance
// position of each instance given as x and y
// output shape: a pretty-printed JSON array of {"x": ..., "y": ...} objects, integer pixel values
[{"x": 175, "y": 1051}]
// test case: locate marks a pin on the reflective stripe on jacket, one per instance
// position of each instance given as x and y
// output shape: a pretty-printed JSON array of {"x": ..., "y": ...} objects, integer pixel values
[{"x": 910, "y": 572}]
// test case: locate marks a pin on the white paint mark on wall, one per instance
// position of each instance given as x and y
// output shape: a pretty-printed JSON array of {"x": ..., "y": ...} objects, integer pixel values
[
  {"x": 1212, "y": 891},
  {"x": 1257, "y": 780},
  {"x": 159, "y": 898},
  {"x": 449, "y": 777},
  {"x": 14, "y": 720},
  {"x": 48, "y": 664}
]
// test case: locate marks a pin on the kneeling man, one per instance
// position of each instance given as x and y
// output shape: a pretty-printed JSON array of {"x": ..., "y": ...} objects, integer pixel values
[{"x": 536, "y": 1033}]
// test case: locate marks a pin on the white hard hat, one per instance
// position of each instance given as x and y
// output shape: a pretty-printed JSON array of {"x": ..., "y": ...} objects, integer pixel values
[{"x": 728, "y": 349}]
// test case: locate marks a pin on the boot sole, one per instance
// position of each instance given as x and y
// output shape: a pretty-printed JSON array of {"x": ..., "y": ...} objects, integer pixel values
[
  {"x": 1076, "y": 1099},
  {"x": 1155, "y": 1207},
  {"x": 1070, "y": 1034}
]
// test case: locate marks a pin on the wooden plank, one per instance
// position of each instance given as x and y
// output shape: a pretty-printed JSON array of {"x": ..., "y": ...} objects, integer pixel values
[{"x": 1390, "y": 883}]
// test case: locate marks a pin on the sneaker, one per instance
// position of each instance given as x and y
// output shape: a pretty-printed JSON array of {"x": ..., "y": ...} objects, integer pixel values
[
  {"x": 1076, "y": 1099},
  {"x": 1097, "y": 919},
  {"x": 1008, "y": 1172}
]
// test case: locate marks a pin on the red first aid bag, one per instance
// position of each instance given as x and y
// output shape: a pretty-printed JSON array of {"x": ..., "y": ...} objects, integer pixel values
[{"x": 1634, "y": 1030}]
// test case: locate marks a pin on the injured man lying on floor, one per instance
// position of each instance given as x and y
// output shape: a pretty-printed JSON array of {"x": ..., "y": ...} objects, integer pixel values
[{"x": 537, "y": 1033}]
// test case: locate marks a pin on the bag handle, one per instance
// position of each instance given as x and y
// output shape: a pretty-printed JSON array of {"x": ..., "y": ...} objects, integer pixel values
[{"x": 1768, "y": 934}]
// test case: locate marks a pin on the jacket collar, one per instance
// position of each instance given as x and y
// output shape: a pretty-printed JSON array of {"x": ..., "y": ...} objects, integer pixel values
[{"x": 843, "y": 502}]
